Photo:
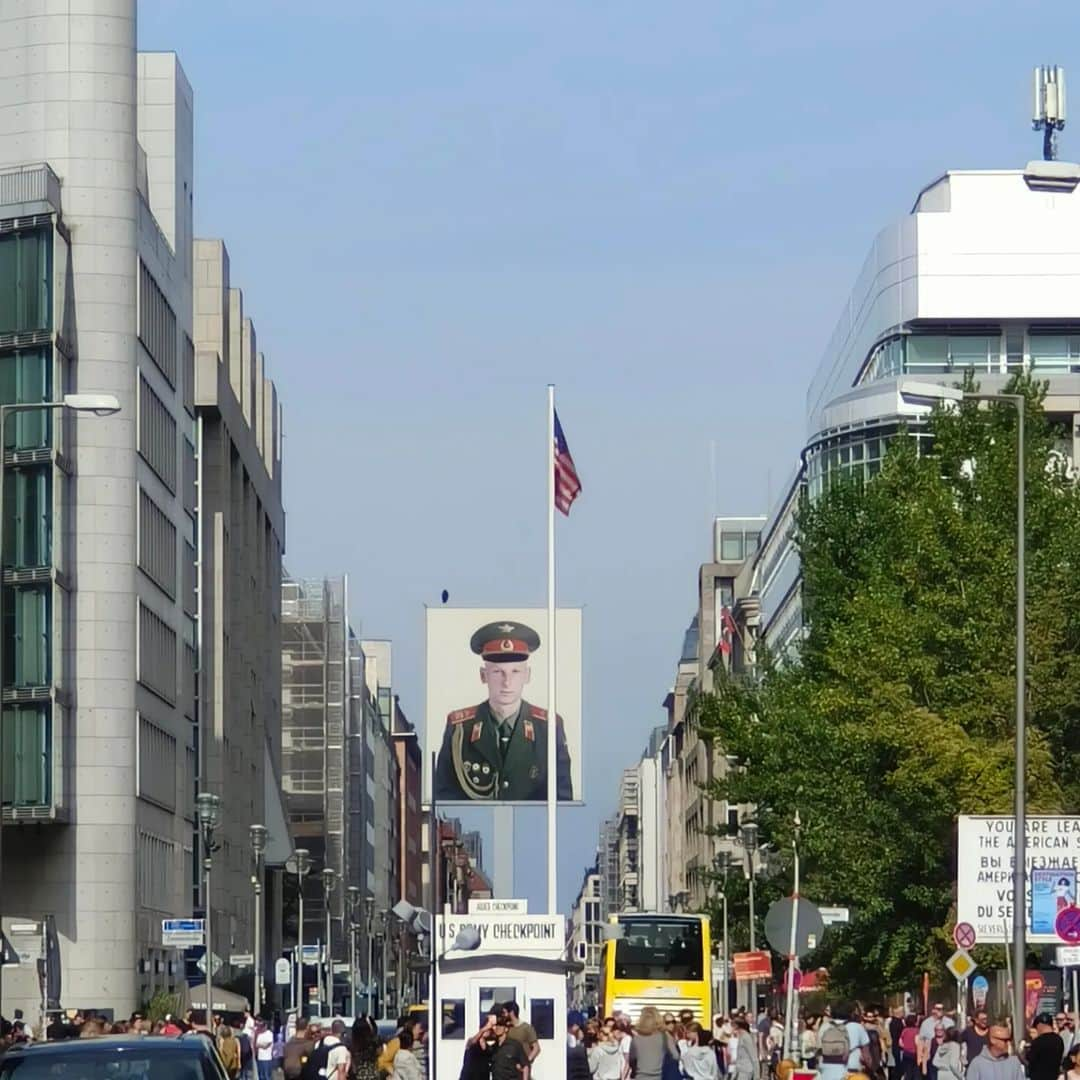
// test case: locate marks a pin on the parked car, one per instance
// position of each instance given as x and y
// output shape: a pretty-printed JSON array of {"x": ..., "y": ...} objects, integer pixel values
[{"x": 124, "y": 1057}]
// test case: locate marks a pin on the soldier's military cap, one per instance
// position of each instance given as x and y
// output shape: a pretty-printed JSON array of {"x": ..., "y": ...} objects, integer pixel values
[{"x": 505, "y": 642}]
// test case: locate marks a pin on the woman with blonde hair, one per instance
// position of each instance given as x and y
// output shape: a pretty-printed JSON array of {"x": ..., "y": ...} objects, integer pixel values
[{"x": 651, "y": 1047}]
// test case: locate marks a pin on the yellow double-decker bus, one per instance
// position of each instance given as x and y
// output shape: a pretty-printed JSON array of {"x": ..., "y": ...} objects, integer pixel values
[{"x": 661, "y": 960}]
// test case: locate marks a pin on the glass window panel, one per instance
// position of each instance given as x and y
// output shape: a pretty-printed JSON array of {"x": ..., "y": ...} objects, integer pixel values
[
  {"x": 453, "y": 1018},
  {"x": 972, "y": 352},
  {"x": 1050, "y": 352},
  {"x": 927, "y": 354},
  {"x": 491, "y": 996},
  {"x": 26, "y": 635},
  {"x": 25, "y": 756},
  {"x": 542, "y": 1017},
  {"x": 731, "y": 547},
  {"x": 27, "y": 517},
  {"x": 753, "y": 541},
  {"x": 24, "y": 378},
  {"x": 24, "y": 281}
]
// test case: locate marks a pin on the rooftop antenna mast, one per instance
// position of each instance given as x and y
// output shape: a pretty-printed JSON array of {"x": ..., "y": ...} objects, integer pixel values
[{"x": 1048, "y": 115}]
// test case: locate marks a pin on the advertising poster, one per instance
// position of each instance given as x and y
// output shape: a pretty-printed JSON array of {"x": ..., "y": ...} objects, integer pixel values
[
  {"x": 487, "y": 718},
  {"x": 1052, "y": 890}
]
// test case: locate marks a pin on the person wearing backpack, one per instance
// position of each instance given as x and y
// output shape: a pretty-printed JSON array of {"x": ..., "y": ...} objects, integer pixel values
[{"x": 329, "y": 1057}]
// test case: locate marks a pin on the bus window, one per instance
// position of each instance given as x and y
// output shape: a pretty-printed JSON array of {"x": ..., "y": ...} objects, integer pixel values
[{"x": 657, "y": 948}]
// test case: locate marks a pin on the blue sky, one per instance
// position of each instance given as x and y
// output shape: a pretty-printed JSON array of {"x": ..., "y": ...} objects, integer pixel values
[{"x": 435, "y": 208}]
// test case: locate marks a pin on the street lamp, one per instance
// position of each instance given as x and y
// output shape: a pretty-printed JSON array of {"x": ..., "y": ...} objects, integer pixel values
[
  {"x": 302, "y": 867},
  {"x": 98, "y": 405},
  {"x": 329, "y": 879},
  {"x": 721, "y": 863},
  {"x": 354, "y": 906},
  {"x": 208, "y": 813},
  {"x": 929, "y": 394},
  {"x": 258, "y": 846},
  {"x": 749, "y": 834},
  {"x": 369, "y": 924}
]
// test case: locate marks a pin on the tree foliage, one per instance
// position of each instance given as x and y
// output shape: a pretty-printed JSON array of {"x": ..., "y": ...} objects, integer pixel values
[{"x": 897, "y": 711}]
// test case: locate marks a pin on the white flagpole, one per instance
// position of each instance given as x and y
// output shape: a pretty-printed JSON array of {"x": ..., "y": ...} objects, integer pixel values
[{"x": 552, "y": 714}]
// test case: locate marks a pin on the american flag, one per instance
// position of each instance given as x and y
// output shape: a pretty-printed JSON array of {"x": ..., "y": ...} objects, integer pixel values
[{"x": 567, "y": 484}]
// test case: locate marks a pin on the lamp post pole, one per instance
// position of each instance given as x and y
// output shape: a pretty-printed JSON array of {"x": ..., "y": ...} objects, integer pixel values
[
  {"x": 791, "y": 1024},
  {"x": 750, "y": 843},
  {"x": 369, "y": 909},
  {"x": 302, "y": 859},
  {"x": 99, "y": 405},
  {"x": 208, "y": 812},
  {"x": 720, "y": 866},
  {"x": 354, "y": 903},
  {"x": 329, "y": 879},
  {"x": 258, "y": 846}
]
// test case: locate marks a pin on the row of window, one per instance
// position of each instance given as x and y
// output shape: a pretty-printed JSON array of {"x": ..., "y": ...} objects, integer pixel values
[
  {"x": 157, "y": 544},
  {"x": 157, "y": 655},
  {"x": 157, "y": 435},
  {"x": 157, "y": 324},
  {"x": 854, "y": 455},
  {"x": 541, "y": 1011},
  {"x": 27, "y": 637},
  {"x": 157, "y": 764},
  {"x": 998, "y": 353}
]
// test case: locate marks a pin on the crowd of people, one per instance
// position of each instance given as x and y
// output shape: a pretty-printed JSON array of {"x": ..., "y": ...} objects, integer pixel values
[
  {"x": 847, "y": 1042},
  {"x": 253, "y": 1047}
]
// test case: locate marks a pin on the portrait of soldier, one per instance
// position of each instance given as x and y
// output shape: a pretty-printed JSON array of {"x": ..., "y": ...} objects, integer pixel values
[{"x": 497, "y": 750}]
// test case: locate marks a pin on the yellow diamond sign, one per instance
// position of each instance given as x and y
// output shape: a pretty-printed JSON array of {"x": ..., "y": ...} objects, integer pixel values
[{"x": 961, "y": 964}]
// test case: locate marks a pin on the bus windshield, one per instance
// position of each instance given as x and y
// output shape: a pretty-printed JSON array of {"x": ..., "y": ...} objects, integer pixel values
[{"x": 653, "y": 947}]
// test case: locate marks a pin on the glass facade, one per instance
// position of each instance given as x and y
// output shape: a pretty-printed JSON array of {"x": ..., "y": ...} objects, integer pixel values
[
  {"x": 26, "y": 529},
  {"x": 854, "y": 454},
  {"x": 1013, "y": 347}
]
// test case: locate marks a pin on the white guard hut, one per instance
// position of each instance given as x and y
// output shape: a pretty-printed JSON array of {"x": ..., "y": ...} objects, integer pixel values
[{"x": 518, "y": 958}]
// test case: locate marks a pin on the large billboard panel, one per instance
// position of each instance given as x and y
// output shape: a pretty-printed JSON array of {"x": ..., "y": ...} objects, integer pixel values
[
  {"x": 487, "y": 698},
  {"x": 984, "y": 868}
]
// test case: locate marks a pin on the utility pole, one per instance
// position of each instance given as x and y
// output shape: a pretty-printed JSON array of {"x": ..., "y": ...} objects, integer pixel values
[{"x": 791, "y": 1026}]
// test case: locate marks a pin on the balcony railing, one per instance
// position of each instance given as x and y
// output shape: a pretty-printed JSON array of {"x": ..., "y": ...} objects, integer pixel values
[{"x": 29, "y": 184}]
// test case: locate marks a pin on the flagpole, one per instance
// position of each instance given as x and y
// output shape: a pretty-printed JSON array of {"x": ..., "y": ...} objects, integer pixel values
[{"x": 552, "y": 713}]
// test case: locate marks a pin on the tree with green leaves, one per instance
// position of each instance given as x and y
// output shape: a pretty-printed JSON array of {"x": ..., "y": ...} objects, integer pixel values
[{"x": 896, "y": 712}]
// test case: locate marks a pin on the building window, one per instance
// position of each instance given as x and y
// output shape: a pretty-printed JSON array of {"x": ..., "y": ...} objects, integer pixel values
[
  {"x": 731, "y": 546},
  {"x": 157, "y": 545},
  {"x": 189, "y": 376},
  {"x": 27, "y": 536},
  {"x": 26, "y": 756},
  {"x": 24, "y": 378},
  {"x": 157, "y": 325},
  {"x": 453, "y": 1018},
  {"x": 157, "y": 435},
  {"x": 26, "y": 635},
  {"x": 155, "y": 872},
  {"x": 1055, "y": 352},
  {"x": 25, "y": 293},
  {"x": 156, "y": 659},
  {"x": 157, "y": 764}
]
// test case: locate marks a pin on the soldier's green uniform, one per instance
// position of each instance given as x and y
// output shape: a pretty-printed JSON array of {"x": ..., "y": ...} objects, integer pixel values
[
  {"x": 480, "y": 760},
  {"x": 485, "y": 758}
]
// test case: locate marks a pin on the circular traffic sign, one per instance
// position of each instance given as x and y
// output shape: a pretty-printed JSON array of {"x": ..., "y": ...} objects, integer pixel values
[
  {"x": 808, "y": 930},
  {"x": 964, "y": 935},
  {"x": 1067, "y": 925}
]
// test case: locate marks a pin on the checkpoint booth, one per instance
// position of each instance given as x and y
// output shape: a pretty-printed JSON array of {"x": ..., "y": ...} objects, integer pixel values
[{"x": 517, "y": 958}]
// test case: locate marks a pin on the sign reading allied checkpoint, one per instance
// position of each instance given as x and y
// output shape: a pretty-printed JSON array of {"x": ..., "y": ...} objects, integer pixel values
[{"x": 984, "y": 868}]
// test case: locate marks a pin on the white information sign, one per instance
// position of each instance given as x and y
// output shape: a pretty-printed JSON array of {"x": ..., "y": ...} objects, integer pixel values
[
  {"x": 282, "y": 971},
  {"x": 525, "y": 935},
  {"x": 182, "y": 933},
  {"x": 1068, "y": 956},
  {"x": 498, "y": 907},
  {"x": 984, "y": 868}
]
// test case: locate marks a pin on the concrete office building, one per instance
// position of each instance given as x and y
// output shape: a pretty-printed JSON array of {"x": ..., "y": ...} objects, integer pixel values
[
  {"x": 585, "y": 940},
  {"x": 101, "y": 588},
  {"x": 241, "y": 535},
  {"x": 98, "y": 686},
  {"x": 983, "y": 274}
]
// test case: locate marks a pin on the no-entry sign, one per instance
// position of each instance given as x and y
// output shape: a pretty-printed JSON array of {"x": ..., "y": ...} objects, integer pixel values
[
  {"x": 963, "y": 935},
  {"x": 1067, "y": 925}
]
